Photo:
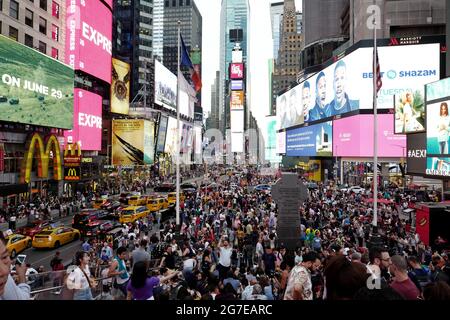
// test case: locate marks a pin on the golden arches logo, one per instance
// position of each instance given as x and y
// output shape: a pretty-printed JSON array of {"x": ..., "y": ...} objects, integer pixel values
[
  {"x": 72, "y": 149},
  {"x": 44, "y": 148},
  {"x": 72, "y": 172}
]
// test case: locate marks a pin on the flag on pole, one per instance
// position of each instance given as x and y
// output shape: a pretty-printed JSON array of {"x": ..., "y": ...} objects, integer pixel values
[
  {"x": 377, "y": 73},
  {"x": 186, "y": 62}
]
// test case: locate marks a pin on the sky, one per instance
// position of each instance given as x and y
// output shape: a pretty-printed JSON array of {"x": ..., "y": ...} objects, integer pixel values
[{"x": 260, "y": 51}]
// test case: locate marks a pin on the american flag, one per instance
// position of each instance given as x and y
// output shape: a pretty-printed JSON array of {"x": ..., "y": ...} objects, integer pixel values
[{"x": 377, "y": 73}]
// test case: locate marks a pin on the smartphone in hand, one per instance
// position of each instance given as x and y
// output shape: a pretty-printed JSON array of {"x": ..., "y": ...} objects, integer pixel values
[{"x": 20, "y": 259}]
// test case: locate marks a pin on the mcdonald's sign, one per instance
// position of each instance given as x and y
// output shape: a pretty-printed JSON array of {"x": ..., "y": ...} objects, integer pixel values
[
  {"x": 47, "y": 149},
  {"x": 72, "y": 173},
  {"x": 72, "y": 155}
]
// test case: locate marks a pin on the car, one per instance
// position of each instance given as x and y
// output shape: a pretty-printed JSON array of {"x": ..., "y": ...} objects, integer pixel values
[
  {"x": 165, "y": 187},
  {"x": 87, "y": 215},
  {"x": 356, "y": 190},
  {"x": 111, "y": 206},
  {"x": 263, "y": 187},
  {"x": 34, "y": 227},
  {"x": 16, "y": 243},
  {"x": 137, "y": 200},
  {"x": 172, "y": 198},
  {"x": 98, "y": 228},
  {"x": 56, "y": 237},
  {"x": 132, "y": 214},
  {"x": 188, "y": 185},
  {"x": 157, "y": 204},
  {"x": 123, "y": 198},
  {"x": 97, "y": 203}
]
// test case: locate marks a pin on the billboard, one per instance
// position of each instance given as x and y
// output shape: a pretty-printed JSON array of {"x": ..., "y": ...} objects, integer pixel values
[
  {"x": 346, "y": 85},
  {"x": 417, "y": 153},
  {"x": 310, "y": 141},
  {"x": 236, "y": 71},
  {"x": 198, "y": 140},
  {"x": 133, "y": 142},
  {"x": 171, "y": 136},
  {"x": 186, "y": 137},
  {"x": 162, "y": 131},
  {"x": 438, "y": 127},
  {"x": 353, "y": 137},
  {"x": 165, "y": 87},
  {"x": 271, "y": 154},
  {"x": 437, "y": 166},
  {"x": 120, "y": 87},
  {"x": 237, "y": 142},
  {"x": 88, "y": 38},
  {"x": 87, "y": 126},
  {"x": 34, "y": 88},
  {"x": 281, "y": 143},
  {"x": 438, "y": 90},
  {"x": 237, "y": 85},
  {"x": 237, "y": 100},
  {"x": 289, "y": 111},
  {"x": 185, "y": 104},
  {"x": 237, "y": 120}
]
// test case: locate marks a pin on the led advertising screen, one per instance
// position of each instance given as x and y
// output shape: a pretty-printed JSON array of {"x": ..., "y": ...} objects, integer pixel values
[
  {"x": 34, "y": 88},
  {"x": 289, "y": 112},
  {"x": 438, "y": 90},
  {"x": 87, "y": 126},
  {"x": 162, "y": 132},
  {"x": 437, "y": 166},
  {"x": 237, "y": 142},
  {"x": 311, "y": 141},
  {"x": 281, "y": 143},
  {"x": 438, "y": 127},
  {"x": 186, "y": 138},
  {"x": 417, "y": 153},
  {"x": 237, "y": 100},
  {"x": 120, "y": 87},
  {"x": 347, "y": 84},
  {"x": 237, "y": 85},
  {"x": 198, "y": 140},
  {"x": 236, "y": 71},
  {"x": 88, "y": 38},
  {"x": 133, "y": 142},
  {"x": 184, "y": 103},
  {"x": 271, "y": 144},
  {"x": 171, "y": 136},
  {"x": 165, "y": 87},
  {"x": 237, "y": 120},
  {"x": 353, "y": 137}
]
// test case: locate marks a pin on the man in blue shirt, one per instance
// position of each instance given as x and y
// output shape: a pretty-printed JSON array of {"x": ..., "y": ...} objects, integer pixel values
[
  {"x": 321, "y": 110},
  {"x": 341, "y": 103}
]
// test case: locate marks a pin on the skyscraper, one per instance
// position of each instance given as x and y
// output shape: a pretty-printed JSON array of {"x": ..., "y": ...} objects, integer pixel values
[
  {"x": 135, "y": 46},
  {"x": 276, "y": 14},
  {"x": 158, "y": 29},
  {"x": 233, "y": 29}
]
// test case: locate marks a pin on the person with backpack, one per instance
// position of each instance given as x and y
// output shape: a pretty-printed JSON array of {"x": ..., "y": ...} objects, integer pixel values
[
  {"x": 118, "y": 269},
  {"x": 79, "y": 279}
]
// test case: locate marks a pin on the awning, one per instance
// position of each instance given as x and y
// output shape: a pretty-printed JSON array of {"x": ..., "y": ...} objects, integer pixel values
[{"x": 12, "y": 189}]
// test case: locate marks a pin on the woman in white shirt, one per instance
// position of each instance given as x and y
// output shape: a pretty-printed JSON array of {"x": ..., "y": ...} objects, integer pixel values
[{"x": 79, "y": 279}]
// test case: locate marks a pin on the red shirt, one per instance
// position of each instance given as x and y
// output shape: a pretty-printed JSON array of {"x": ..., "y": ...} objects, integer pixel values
[{"x": 407, "y": 289}]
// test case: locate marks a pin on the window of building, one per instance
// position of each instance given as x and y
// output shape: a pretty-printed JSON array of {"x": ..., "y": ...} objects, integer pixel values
[
  {"x": 55, "y": 32},
  {"x": 29, "y": 18},
  {"x": 14, "y": 9},
  {"x": 13, "y": 33},
  {"x": 174, "y": 3},
  {"x": 55, "y": 9},
  {"x": 166, "y": 3},
  {"x": 43, "y": 47},
  {"x": 1, "y": 5},
  {"x": 188, "y": 2},
  {"x": 42, "y": 25},
  {"x": 180, "y": 3},
  {"x": 55, "y": 53},
  {"x": 29, "y": 41},
  {"x": 43, "y": 4}
]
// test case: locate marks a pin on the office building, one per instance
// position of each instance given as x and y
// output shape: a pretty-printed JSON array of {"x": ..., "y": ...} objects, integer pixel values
[{"x": 158, "y": 30}]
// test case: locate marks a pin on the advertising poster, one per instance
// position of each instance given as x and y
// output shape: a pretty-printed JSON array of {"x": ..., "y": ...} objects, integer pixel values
[
  {"x": 437, "y": 166},
  {"x": 171, "y": 137},
  {"x": 132, "y": 142},
  {"x": 184, "y": 104},
  {"x": 417, "y": 153},
  {"x": 87, "y": 126},
  {"x": 438, "y": 90},
  {"x": 198, "y": 140},
  {"x": 186, "y": 138},
  {"x": 438, "y": 128},
  {"x": 236, "y": 71},
  {"x": 271, "y": 144},
  {"x": 237, "y": 85},
  {"x": 162, "y": 132},
  {"x": 88, "y": 38},
  {"x": 120, "y": 87},
  {"x": 311, "y": 141},
  {"x": 237, "y": 120},
  {"x": 237, "y": 100},
  {"x": 165, "y": 87},
  {"x": 34, "y": 88},
  {"x": 281, "y": 143},
  {"x": 346, "y": 85},
  {"x": 353, "y": 137}
]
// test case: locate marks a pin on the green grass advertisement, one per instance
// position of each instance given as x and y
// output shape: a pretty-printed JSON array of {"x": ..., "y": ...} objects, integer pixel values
[{"x": 34, "y": 88}]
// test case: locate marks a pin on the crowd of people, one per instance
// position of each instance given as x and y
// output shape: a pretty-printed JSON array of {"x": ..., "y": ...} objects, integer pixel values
[{"x": 227, "y": 248}]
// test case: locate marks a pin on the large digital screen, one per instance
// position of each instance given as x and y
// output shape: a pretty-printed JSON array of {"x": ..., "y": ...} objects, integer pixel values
[
  {"x": 237, "y": 85},
  {"x": 162, "y": 132},
  {"x": 133, "y": 142},
  {"x": 88, "y": 38},
  {"x": 120, "y": 87},
  {"x": 186, "y": 138},
  {"x": 437, "y": 166},
  {"x": 171, "y": 136},
  {"x": 347, "y": 85},
  {"x": 417, "y": 153},
  {"x": 237, "y": 100},
  {"x": 184, "y": 103},
  {"x": 34, "y": 88},
  {"x": 165, "y": 87},
  {"x": 310, "y": 141},
  {"x": 353, "y": 137},
  {"x": 198, "y": 140},
  {"x": 281, "y": 143},
  {"x": 237, "y": 142},
  {"x": 438, "y": 127},
  {"x": 271, "y": 144},
  {"x": 87, "y": 126},
  {"x": 236, "y": 71},
  {"x": 438, "y": 90},
  {"x": 237, "y": 120}
]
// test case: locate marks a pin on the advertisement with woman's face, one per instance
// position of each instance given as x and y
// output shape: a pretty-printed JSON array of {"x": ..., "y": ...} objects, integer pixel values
[{"x": 438, "y": 128}]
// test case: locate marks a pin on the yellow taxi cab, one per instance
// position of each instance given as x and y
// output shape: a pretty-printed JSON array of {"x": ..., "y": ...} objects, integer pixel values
[
  {"x": 157, "y": 204},
  {"x": 133, "y": 213},
  {"x": 16, "y": 243},
  {"x": 53, "y": 238},
  {"x": 97, "y": 203},
  {"x": 137, "y": 200},
  {"x": 172, "y": 198}
]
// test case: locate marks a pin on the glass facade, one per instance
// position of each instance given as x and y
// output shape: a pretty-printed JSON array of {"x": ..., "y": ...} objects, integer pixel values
[
  {"x": 276, "y": 13},
  {"x": 158, "y": 29}
]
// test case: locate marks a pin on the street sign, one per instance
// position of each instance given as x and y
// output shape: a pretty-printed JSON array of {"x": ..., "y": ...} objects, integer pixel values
[{"x": 289, "y": 193}]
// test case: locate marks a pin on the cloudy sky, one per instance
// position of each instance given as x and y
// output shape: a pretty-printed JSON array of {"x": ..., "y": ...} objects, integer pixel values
[{"x": 260, "y": 51}]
